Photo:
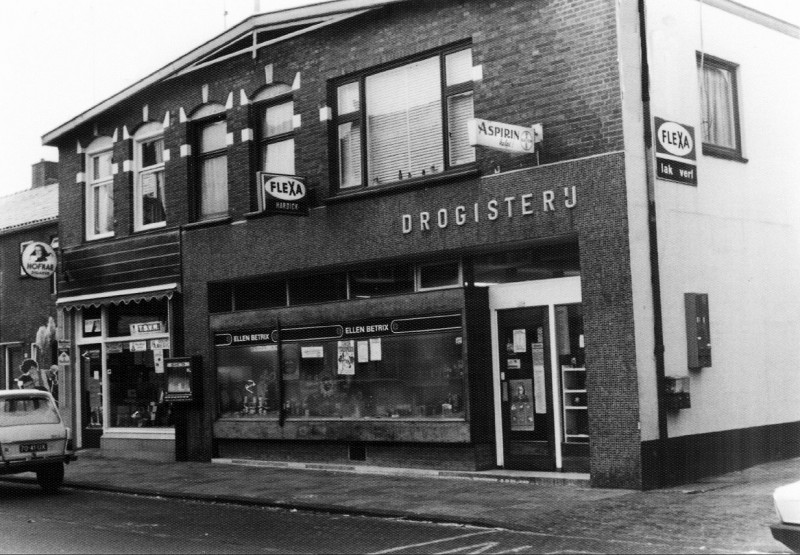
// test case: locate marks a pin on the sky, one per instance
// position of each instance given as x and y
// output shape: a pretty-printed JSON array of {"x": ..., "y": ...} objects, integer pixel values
[{"x": 61, "y": 57}]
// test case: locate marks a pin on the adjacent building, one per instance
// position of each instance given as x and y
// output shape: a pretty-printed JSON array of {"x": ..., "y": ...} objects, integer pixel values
[
  {"x": 556, "y": 235},
  {"x": 28, "y": 315}
]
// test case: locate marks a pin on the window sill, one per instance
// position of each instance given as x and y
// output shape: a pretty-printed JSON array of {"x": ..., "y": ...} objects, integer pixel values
[
  {"x": 301, "y": 419},
  {"x": 150, "y": 227},
  {"x": 405, "y": 185},
  {"x": 208, "y": 223},
  {"x": 724, "y": 153},
  {"x": 100, "y": 237}
]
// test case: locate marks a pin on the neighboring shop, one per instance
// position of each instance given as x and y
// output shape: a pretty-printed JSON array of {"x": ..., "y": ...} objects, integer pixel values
[
  {"x": 120, "y": 371},
  {"x": 118, "y": 343}
]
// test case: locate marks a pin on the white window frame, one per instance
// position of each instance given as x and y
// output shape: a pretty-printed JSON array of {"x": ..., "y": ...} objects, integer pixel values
[
  {"x": 101, "y": 145},
  {"x": 150, "y": 132}
]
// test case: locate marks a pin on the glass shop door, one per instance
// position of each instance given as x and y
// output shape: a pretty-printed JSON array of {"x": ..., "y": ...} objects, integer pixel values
[{"x": 526, "y": 388}]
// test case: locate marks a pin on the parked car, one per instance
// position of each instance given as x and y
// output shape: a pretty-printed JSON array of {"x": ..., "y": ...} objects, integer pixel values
[
  {"x": 787, "y": 505},
  {"x": 33, "y": 437}
]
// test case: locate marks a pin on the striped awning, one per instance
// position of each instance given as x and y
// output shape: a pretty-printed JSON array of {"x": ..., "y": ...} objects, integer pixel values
[{"x": 155, "y": 292}]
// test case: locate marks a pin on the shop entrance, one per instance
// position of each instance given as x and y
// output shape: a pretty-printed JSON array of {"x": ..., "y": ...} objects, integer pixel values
[
  {"x": 540, "y": 397},
  {"x": 91, "y": 366},
  {"x": 525, "y": 382}
]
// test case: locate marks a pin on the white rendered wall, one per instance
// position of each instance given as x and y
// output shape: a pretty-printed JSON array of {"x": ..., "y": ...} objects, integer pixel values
[
  {"x": 736, "y": 236},
  {"x": 630, "y": 61}
]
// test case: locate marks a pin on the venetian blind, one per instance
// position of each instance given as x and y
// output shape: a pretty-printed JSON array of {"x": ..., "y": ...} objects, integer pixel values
[{"x": 404, "y": 126}]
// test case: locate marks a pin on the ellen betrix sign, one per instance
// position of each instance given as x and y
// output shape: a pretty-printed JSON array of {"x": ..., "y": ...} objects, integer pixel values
[
  {"x": 283, "y": 194},
  {"x": 504, "y": 136},
  {"x": 676, "y": 156}
]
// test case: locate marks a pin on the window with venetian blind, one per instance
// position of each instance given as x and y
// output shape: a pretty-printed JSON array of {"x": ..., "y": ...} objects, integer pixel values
[{"x": 406, "y": 122}]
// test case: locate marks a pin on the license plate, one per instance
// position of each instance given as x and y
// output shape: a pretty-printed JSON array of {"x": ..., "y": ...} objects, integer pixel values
[{"x": 32, "y": 447}]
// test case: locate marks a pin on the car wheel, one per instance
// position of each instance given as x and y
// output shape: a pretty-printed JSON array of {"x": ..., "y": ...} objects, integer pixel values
[{"x": 50, "y": 477}]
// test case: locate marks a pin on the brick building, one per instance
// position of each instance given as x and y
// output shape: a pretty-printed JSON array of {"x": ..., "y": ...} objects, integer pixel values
[
  {"x": 28, "y": 316},
  {"x": 442, "y": 234}
]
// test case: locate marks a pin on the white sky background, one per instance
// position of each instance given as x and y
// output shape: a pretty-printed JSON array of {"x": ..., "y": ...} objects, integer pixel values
[{"x": 59, "y": 58}]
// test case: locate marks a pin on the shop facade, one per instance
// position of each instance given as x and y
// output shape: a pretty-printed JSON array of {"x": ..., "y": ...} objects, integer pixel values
[{"x": 417, "y": 234}]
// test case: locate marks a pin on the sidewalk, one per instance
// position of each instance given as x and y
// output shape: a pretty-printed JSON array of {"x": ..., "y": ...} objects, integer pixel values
[{"x": 730, "y": 513}]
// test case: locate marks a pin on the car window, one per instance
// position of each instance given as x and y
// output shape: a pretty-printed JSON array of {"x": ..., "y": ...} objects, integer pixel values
[{"x": 21, "y": 411}]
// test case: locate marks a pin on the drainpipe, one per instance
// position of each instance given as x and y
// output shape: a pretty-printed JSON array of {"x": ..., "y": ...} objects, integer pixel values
[{"x": 655, "y": 279}]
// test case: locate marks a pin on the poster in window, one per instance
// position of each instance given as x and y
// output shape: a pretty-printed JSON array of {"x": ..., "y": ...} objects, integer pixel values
[
  {"x": 149, "y": 184},
  {"x": 158, "y": 360},
  {"x": 521, "y": 408},
  {"x": 91, "y": 326},
  {"x": 312, "y": 351},
  {"x": 363, "y": 351},
  {"x": 291, "y": 362},
  {"x": 539, "y": 389},
  {"x": 520, "y": 341},
  {"x": 375, "y": 349},
  {"x": 347, "y": 358},
  {"x": 138, "y": 346}
]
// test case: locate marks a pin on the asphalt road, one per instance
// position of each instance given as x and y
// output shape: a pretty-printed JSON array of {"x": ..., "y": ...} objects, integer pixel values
[{"x": 80, "y": 521}]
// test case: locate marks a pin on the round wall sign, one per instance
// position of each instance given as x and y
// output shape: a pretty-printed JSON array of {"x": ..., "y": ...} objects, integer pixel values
[{"x": 39, "y": 260}]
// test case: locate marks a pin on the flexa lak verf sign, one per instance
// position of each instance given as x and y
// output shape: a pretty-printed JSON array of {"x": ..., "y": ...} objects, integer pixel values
[{"x": 676, "y": 153}]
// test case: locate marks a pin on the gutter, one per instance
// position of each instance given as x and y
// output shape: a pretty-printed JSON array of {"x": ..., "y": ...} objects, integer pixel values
[{"x": 655, "y": 275}]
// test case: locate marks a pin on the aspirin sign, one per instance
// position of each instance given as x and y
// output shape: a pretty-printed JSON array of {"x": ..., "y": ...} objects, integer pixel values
[
  {"x": 675, "y": 152},
  {"x": 504, "y": 136},
  {"x": 39, "y": 260},
  {"x": 283, "y": 194}
]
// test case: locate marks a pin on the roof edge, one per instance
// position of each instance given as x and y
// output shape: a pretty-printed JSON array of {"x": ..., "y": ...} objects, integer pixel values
[{"x": 330, "y": 8}]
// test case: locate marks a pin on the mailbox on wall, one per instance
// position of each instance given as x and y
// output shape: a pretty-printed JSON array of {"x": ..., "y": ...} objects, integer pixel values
[
  {"x": 698, "y": 331},
  {"x": 183, "y": 379}
]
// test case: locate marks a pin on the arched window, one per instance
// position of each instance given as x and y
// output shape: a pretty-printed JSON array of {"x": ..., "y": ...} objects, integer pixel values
[
  {"x": 211, "y": 133},
  {"x": 99, "y": 189},
  {"x": 149, "y": 206}
]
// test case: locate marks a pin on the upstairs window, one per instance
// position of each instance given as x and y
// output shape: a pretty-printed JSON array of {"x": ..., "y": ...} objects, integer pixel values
[
  {"x": 276, "y": 130},
  {"x": 719, "y": 104},
  {"x": 149, "y": 205},
  {"x": 406, "y": 122},
  {"x": 212, "y": 161},
  {"x": 99, "y": 189}
]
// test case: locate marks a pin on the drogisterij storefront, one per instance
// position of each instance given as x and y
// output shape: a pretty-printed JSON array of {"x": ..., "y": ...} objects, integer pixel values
[{"x": 454, "y": 376}]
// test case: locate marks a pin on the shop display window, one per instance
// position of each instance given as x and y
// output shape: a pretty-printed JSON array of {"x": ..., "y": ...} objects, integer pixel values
[
  {"x": 136, "y": 387},
  {"x": 530, "y": 263},
  {"x": 415, "y": 376}
]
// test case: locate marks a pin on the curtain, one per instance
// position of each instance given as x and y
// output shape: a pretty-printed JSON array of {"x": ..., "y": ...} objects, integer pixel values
[
  {"x": 214, "y": 187},
  {"x": 279, "y": 157},
  {"x": 718, "y": 113},
  {"x": 153, "y": 210},
  {"x": 103, "y": 204}
]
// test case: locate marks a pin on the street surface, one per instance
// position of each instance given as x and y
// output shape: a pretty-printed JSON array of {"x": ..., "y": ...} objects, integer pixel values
[{"x": 80, "y": 521}]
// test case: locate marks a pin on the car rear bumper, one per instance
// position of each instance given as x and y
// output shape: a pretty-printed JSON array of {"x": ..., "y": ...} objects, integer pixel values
[{"x": 28, "y": 465}]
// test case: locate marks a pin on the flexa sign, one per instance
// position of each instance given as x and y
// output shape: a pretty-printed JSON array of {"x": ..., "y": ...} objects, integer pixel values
[
  {"x": 504, "y": 136},
  {"x": 675, "y": 152},
  {"x": 38, "y": 260},
  {"x": 283, "y": 194}
]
